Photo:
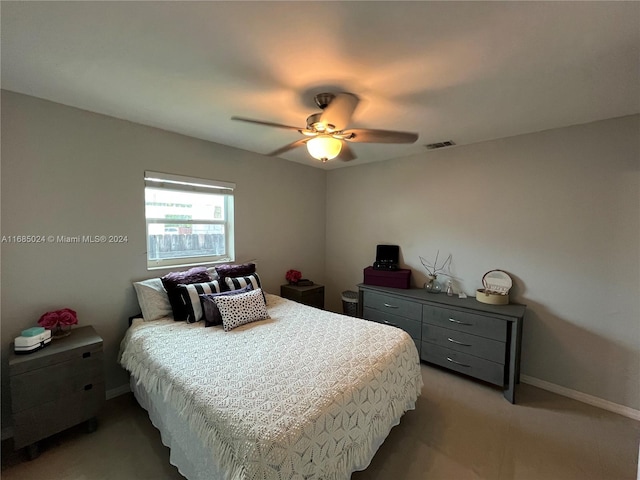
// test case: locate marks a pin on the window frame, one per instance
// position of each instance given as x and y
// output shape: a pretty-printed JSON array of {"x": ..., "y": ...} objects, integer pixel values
[{"x": 181, "y": 183}]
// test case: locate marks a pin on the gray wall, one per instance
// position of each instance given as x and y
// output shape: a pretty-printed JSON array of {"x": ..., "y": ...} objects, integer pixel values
[
  {"x": 559, "y": 210},
  {"x": 70, "y": 172}
]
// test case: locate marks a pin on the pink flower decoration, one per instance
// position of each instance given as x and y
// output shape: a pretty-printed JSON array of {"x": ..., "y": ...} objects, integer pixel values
[
  {"x": 293, "y": 276},
  {"x": 65, "y": 317}
]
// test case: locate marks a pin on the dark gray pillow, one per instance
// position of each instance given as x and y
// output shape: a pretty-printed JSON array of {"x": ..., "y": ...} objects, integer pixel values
[{"x": 211, "y": 313}]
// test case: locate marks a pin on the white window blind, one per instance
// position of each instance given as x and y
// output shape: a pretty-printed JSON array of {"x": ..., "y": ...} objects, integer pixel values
[{"x": 189, "y": 220}]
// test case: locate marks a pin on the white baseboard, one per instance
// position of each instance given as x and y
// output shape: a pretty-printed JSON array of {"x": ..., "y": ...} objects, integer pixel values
[
  {"x": 582, "y": 397},
  {"x": 116, "y": 392}
]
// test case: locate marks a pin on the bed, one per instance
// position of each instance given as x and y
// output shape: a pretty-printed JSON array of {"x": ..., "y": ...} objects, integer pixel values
[{"x": 304, "y": 394}]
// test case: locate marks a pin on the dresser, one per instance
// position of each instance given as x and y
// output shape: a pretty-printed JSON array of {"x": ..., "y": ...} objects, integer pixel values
[
  {"x": 312, "y": 295},
  {"x": 461, "y": 334},
  {"x": 57, "y": 387}
]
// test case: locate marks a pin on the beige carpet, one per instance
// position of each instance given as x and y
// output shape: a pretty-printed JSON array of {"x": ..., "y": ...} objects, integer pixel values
[{"x": 461, "y": 429}]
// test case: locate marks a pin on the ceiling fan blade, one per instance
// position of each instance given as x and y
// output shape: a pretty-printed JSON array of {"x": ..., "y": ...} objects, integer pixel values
[
  {"x": 365, "y": 135},
  {"x": 338, "y": 113},
  {"x": 286, "y": 148},
  {"x": 268, "y": 124},
  {"x": 346, "y": 154}
]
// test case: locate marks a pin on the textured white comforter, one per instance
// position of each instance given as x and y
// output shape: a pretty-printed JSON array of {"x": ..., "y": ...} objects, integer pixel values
[{"x": 308, "y": 394}]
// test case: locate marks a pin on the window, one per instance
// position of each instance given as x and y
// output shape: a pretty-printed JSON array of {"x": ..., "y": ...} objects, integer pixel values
[{"x": 189, "y": 220}]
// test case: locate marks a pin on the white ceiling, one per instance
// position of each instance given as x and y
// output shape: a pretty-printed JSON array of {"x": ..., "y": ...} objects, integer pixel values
[{"x": 461, "y": 71}]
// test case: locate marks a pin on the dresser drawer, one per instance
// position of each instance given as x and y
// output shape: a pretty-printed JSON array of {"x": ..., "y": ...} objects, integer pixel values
[
  {"x": 393, "y": 305},
  {"x": 486, "y": 370},
  {"x": 465, "y": 343},
  {"x": 412, "y": 327},
  {"x": 466, "y": 322}
]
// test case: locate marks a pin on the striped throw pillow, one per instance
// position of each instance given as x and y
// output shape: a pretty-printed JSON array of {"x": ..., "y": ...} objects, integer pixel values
[
  {"x": 190, "y": 298},
  {"x": 234, "y": 283}
]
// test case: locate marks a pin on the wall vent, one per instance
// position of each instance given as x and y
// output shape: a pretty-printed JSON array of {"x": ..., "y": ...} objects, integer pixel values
[{"x": 433, "y": 146}]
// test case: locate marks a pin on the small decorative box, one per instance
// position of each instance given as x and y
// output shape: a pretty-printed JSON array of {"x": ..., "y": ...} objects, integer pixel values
[
  {"x": 33, "y": 343},
  {"x": 32, "y": 332},
  {"x": 387, "y": 278}
]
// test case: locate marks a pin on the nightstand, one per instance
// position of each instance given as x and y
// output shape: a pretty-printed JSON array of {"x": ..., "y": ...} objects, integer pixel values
[
  {"x": 312, "y": 295},
  {"x": 57, "y": 387}
]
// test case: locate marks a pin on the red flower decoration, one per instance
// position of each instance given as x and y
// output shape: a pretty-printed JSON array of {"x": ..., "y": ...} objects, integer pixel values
[
  {"x": 63, "y": 317},
  {"x": 293, "y": 276}
]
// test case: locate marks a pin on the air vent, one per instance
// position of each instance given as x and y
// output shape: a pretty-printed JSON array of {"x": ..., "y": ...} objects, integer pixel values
[{"x": 433, "y": 146}]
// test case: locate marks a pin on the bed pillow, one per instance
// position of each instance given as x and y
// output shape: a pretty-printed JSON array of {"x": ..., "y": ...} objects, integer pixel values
[
  {"x": 234, "y": 283},
  {"x": 210, "y": 311},
  {"x": 235, "y": 270},
  {"x": 153, "y": 299},
  {"x": 190, "y": 298},
  {"x": 241, "y": 309},
  {"x": 212, "y": 273},
  {"x": 171, "y": 281}
]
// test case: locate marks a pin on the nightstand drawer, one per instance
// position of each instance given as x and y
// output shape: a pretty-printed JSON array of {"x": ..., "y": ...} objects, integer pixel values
[
  {"x": 412, "y": 327},
  {"x": 486, "y": 370},
  {"x": 393, "y": 305},
  {"x": 466, "y": 322},
  {"x": 465, "y": 343},
  {"x": 49, "y": 418},
  {"x": 48, "y": 384}
]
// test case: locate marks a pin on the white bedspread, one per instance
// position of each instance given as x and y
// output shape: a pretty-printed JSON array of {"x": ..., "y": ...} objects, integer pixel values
[{"x": 308, "y": 394}]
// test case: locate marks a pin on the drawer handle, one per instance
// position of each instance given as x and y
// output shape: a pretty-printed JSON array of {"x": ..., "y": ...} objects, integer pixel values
[
  {"x": 458, "y": 363},
  {"x": 88, "y": 387},
  {"x": 459, "y": 343},
  {"x": 459, "y": 322},
  {"x": 86, "y": 354},
  {"x": 389, "y": 323},
  {"x": 390, "y": 306}
]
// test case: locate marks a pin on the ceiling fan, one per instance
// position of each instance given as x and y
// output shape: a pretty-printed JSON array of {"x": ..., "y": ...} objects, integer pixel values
[{"x": 326, "y": 134}]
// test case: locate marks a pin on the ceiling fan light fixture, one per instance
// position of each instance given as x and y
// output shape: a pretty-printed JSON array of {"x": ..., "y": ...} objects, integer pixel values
[{"x": 324, "y": 147}]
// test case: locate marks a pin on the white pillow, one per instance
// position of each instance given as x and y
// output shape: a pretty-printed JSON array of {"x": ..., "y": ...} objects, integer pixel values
[
  {"x": 241, "y": 309},
  {"x": 153, "y": 299},
  {"x": 213, "y": 273}
]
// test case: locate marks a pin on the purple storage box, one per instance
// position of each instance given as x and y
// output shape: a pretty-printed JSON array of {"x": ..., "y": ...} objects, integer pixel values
[{"x": 387, "y": 278}]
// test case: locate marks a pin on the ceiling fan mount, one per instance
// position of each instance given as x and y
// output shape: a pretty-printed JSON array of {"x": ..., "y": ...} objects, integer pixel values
[
  {"x": 323, "y": 99},
  {"x": 326, "y": 133}
]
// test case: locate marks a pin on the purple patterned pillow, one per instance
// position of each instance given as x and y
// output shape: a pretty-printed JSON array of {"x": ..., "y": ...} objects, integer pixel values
[
  {"x": 235, "y": 270},
  {"x": 171, "y": 281},
  {"x": 211, "y": 312}
]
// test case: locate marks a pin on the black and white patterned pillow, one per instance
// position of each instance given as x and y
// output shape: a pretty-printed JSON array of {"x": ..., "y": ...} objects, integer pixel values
[
  {"x": 210, "y": 312},
  {"x": 241, "y": 309},
  {"x": 234, "y": 283},
  {"x": 190, "y": 299}
]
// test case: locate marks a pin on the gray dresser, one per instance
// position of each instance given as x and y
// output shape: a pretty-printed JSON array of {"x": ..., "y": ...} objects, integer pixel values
[
  {"x": 479, "y": 340},
  {"x": 57, "y": 387}
]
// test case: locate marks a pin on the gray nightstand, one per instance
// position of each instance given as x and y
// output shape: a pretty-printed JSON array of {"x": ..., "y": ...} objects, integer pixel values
[
  {"x": 57, "y": 387},
  {"x": 312, "y": 295}
]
